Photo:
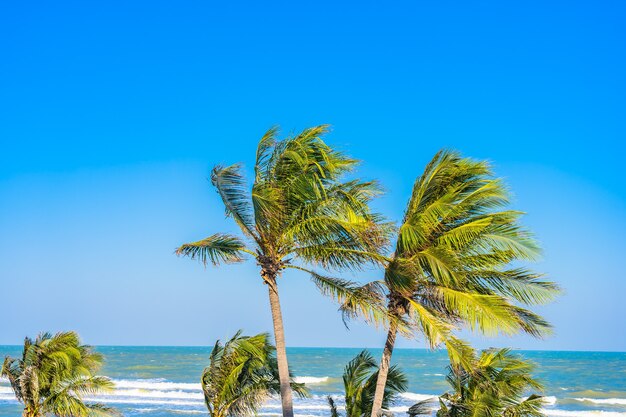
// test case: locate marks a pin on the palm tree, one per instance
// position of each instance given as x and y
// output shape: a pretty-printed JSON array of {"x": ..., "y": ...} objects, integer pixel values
[
  {"x": 54, "y": 374},
  {"x": 494, "y": 384},
  {"x": 299, "y": 210},
  {"x": 452, "y": 263},
  {"x": 359, "y": 381},
  {"x": 241, "y": 375}
]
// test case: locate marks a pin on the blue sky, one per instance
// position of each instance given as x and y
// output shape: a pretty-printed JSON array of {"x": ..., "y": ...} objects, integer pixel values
[{"x": 113, "y": 113}]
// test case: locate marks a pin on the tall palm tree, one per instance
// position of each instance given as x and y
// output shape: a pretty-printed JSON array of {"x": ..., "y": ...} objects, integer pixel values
[
  {"x": 242, "y": 374},
  {"x": 452, "y": 264},
  {"x": 359, "y": 381},
  {"x": 495, "y": 383},
  {"x": 298, "y": 212},
  {"x": 53, "y": 375}
]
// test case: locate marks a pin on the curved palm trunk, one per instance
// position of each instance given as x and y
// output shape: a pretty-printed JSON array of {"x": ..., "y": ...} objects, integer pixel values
[
  {"x": 383, "y": 370},
  {"x": 281, "y": 353}
]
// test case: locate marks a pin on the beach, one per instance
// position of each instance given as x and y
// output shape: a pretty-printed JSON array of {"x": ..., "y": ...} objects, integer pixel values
[{"x": 164, "y": 381}]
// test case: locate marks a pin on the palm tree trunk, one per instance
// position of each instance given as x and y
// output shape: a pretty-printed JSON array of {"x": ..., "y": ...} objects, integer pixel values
[
  {"x": 383, "y": 369},
  {"x": 281, "y": 352}
]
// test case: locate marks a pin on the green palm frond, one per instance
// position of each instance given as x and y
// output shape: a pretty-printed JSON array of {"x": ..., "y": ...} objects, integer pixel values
[
  {"x": 334, "y": 411},
  {"x": 230, "y": 185},
  {"x": 493, "y": 383},
  {"x": 354, "y": 299},
  {"x": 53, "y": 375},
  {"x": 218, "y": 248},
  {"x": 241, "y": 375},
  {"x": 359, "y": 380}
]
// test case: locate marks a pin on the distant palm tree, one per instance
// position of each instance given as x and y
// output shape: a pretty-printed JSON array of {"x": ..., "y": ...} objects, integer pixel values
[
  {"x": 53, "y": 375},
  {"x": 299, "y": 209},
  {"x": 359, "y": 381},
  {"x": 494, "y": 384},
  {"x": 452, "y": 263},
  {"x": 241, "y": 375}
]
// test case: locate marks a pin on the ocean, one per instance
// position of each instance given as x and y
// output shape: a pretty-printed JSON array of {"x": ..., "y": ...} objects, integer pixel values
[{"x": 164, "y": 381}]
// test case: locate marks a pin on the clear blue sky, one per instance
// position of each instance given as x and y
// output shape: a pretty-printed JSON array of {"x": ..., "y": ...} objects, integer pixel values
[{"x": 112, "y": 114}]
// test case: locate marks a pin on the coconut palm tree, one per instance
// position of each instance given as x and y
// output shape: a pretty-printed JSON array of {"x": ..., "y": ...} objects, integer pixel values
[
  {"x": 359, "y": 381},
  {"x": 453, "y": 263},
  {"x": 53, "y": 375},
  {"x": 495, "y": 383},
  {"x": 241, "y": 375},
  {"x": 298, "y": 212}
]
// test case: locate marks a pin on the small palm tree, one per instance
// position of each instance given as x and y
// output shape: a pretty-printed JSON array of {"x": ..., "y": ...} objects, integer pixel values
[
  {"x": 299, "y": 210},
  {"x": 495, "y": 383},
  {"x": 359, "y": 381},
  {"x": 53, "y": 375},
  {"x": 452, "y": 263},
  {"x": 241, "y": 375}
]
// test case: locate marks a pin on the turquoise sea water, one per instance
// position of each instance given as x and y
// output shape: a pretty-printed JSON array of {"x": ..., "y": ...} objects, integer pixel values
[{"x": 163, "y": 381}]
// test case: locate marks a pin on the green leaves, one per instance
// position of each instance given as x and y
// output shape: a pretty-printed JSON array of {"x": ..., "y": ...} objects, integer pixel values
[
  {"x": 242, "y": 373},
  {"x": 55, "y": 371},
  {"x": 218, "y": 248},
  {"x": 232, "y": 188},
  {"x": 359, "y": 381},
  {"x": 454, "y": 250},
  {"x": 493, "y": 383}
]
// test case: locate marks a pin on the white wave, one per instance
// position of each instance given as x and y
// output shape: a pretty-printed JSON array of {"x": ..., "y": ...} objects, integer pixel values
[
  {"x": 433, "y": 375},
  {"x": 156, "y": 384},
  {"x": 417, "y": 397},
  {"x": 549, "y": 400},
  {"x": 154, "y": 394},
  {"x": 153, "y": 401},
  {"x": 311, "y": 379},
  {"x": 590, "y": 413},
  {"x": 611, "y": 401},
  {"x": 6, "y": 390}
]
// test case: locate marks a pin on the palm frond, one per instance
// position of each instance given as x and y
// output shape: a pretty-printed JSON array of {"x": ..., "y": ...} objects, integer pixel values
[
  {"x": 218, "y": 248},
  {"x": 234, "y": 192}
]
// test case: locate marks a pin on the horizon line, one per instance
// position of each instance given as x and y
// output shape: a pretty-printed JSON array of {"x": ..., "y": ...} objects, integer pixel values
[{"x": 347, "y": 347}]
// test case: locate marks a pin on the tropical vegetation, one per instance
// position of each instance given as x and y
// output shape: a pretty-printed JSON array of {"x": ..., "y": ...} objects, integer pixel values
[
  {"x": 456, "y": 262},
  {"x": 300, "y": 211},
  {"x": 55, "y": 374},
  {"x": 494, "y": 383},
  {"x": 359, "y": 381},
  {"x": 241, "y": 375}
]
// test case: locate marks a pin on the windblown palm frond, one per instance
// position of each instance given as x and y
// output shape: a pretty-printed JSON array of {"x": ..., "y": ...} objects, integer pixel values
[
  {"x": 242, "y": 373},
  {"x": 54, "y": 374}
]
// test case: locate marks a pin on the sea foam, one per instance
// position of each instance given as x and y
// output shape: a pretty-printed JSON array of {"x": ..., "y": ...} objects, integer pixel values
[{"x": 311, "y": 379}]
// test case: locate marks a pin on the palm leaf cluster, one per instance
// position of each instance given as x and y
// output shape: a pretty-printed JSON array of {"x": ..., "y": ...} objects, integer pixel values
[
  {"x": 298, "y": 208},
  {"x": 455, "y": 261},
  {"x": 496, "y": 383},
  {"x": 54, "y": 374},
  {"x": 453, "y": 258},
  {"x": 299, "y": 211},
  {"x": 359, "y": 380},
  {"x": 241, "y": 375}
]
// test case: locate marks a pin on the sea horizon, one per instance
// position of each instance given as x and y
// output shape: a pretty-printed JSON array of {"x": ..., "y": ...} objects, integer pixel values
[
  {"x": 517, "y": 349},
  {"x": 163, "y": 381}
]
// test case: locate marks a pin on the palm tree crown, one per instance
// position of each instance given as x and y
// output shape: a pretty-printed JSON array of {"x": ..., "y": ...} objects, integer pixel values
[
  {"x": 454, "y": 251},
  {"x": 454, "y": 261},
  {"x": 299, "y": 211},
  {"x": 242, "y": 374},
  {"x": 53, "y": 375},
  {"x": 496, "y": 383}
]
